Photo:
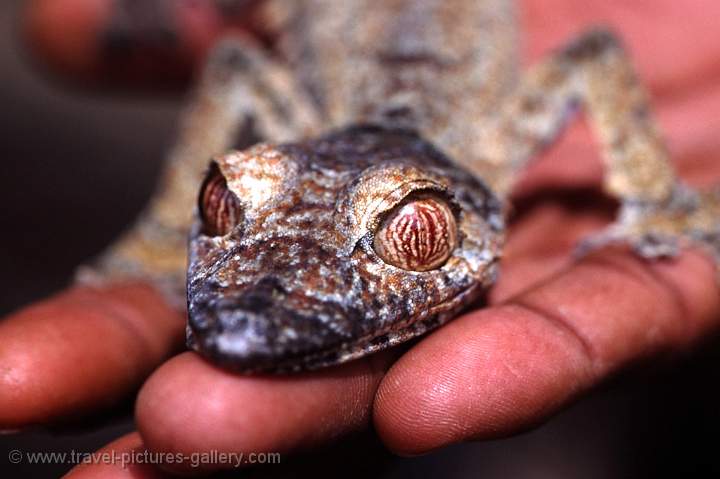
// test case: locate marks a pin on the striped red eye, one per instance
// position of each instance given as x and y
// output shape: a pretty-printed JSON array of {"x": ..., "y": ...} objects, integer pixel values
[
  {"x": 220, "y": 209},
  {"x": 419, "y": 235}
]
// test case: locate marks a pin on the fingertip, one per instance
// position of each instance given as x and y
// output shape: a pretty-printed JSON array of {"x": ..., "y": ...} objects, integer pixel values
[
  {"x": 504, "y": 369},
  {"x": 103, "y": 43},
  {"x": 80, "y": 351},
  {"x": 485, "y": 375},
  {"x": 63, "y": 34},
  {"x": 148, "y": 45},
  {"x": 190, "y": 406}
]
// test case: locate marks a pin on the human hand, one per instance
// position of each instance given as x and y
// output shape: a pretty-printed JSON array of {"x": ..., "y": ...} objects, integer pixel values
[{"x": 555, "y": 327}]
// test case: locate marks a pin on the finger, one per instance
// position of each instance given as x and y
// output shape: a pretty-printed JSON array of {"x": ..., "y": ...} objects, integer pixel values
[
  {"x": 497, "y": 371},
  {"x": 124, "y": 458},
  {"x": 82, "y": 350},
  {"x": 124, "y": 43},
  {"x": 189, "y": 406}
]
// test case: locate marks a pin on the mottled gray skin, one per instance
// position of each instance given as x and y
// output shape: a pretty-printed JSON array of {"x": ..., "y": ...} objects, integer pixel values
[{"x": 298, "y": 284}]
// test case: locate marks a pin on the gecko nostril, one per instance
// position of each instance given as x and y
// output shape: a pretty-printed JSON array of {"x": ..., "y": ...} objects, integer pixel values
[
  {"x": 255, "y": 302},
  {"x": 266, "y": 293}
]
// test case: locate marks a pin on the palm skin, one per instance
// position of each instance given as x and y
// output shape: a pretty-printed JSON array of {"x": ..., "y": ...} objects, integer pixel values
[{"x": 554, "y": 327}]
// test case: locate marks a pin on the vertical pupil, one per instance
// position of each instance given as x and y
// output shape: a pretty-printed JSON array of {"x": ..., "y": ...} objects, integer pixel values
[{"x": 219, "y": 207}]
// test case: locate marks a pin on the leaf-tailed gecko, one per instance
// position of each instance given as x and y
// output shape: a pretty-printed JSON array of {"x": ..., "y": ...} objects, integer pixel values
[{"x": 375, "y": 207}]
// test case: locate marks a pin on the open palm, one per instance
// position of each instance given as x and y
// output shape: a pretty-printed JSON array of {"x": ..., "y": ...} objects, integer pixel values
[{"x": 554, "y": 327}]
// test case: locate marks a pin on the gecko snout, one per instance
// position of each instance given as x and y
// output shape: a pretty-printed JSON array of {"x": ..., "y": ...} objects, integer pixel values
[{"x": 259, "y": 326}]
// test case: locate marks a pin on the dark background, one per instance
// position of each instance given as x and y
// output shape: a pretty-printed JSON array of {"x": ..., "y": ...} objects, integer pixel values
[{"x": 77, "y": 169}]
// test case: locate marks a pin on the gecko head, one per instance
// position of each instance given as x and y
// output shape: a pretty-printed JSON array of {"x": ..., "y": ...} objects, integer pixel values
[{"x": 314, "y": 253}]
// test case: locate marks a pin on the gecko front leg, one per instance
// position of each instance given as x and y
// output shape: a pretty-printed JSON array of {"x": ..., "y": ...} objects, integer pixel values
[{"x": 658, "y": 213}]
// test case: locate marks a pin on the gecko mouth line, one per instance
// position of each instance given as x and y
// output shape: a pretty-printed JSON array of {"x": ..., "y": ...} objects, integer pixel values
[{"x": 348, "y": 351}]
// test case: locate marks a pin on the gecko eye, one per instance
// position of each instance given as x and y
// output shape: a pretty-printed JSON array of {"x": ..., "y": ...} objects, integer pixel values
[
  {"x": 220, "y": 209},
  {"x": 419, "y": 235}
]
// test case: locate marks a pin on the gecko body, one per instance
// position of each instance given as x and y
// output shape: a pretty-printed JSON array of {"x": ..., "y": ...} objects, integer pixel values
[{"x": 374, "y": 209}]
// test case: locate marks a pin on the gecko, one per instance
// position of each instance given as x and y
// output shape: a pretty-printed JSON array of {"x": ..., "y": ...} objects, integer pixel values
[{"x": 373, "y": 206}]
